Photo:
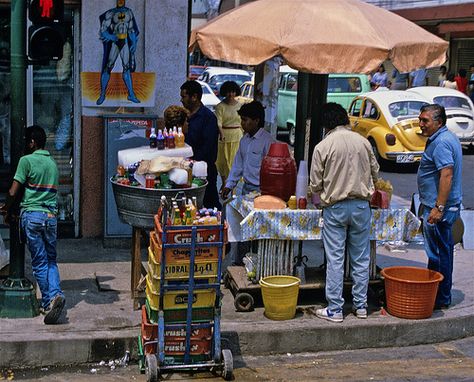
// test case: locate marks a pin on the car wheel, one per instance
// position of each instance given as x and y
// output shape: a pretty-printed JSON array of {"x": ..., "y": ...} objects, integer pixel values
[
  {"x": 375, "y": 151},
  {"x": 291, "y": 135}
]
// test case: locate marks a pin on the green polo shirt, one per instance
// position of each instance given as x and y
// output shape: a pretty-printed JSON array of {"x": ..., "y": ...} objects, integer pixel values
[{"x": 39, "y": 174}]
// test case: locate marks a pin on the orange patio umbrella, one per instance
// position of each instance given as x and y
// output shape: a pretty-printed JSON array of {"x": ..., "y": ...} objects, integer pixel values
[{"x": 319, "y": 36}]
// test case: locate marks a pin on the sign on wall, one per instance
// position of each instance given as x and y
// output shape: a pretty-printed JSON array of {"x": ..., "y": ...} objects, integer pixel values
[{"x": 119, "y": 34}]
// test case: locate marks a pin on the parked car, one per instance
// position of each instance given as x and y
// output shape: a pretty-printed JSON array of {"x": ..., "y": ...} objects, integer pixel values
[
  {"x": 341, "y": 89},
  {"x": 389, "y": 120},
  {"x": 459, "y": 110},
  {"x": 209, "y": 99},
  {"x": 216, "y": 76},
  {"x": 246, "y": 91},
  {"x": 195, "y": 71}
]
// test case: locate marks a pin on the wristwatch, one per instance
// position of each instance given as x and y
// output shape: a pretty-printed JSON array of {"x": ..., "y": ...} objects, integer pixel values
[{"x": 440, "y": 207}]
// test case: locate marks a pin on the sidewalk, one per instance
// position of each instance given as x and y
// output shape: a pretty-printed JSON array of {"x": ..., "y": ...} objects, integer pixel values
[{"x": 101, "y": 325}]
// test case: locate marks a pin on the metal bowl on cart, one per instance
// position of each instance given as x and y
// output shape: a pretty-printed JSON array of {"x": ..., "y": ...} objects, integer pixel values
[{"x": 138, "y": 205}]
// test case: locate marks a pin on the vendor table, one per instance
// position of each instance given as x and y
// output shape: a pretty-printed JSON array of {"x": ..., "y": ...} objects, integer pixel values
[{"x": 277, "y": 231}]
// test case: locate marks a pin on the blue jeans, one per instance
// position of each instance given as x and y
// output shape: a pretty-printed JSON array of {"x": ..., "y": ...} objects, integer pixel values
[
  {"x": 40, "y": 230},
  {"x": 439, "y": 248},
  {"x": 347, "y": 225}
]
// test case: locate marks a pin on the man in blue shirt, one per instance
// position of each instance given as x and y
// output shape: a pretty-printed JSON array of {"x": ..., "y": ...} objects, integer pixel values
[
  {"x": 202, "y": 136},
  {"x": 253, "y": 147},
  {"x": 439, "y": 185},
  {"x": 417, "y": 78}
]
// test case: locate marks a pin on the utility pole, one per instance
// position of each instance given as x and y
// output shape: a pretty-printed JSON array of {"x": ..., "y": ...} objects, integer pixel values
[{"x": 17, "y": 295}]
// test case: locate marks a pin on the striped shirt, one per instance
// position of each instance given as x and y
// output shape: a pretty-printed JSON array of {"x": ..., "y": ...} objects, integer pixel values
[{"x": 39, "y": 174}]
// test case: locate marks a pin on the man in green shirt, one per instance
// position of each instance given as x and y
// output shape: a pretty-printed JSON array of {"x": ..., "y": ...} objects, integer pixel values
[{"x": 38, "y": 174}]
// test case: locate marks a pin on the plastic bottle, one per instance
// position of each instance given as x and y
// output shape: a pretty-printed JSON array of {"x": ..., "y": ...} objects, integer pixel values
[
  {"x": 160, "y": 140},
  {"x": 152, "y": 139},
  {"x": 302, "y": 182},
  {"x": 165, "y": 135},
  {"x": 179, "y": 139},
  {"x": 170, "y": 140}
]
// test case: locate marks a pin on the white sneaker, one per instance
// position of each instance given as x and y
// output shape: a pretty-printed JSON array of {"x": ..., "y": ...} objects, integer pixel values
[
  {"x": 329, "y": 315},
  {"x": 360, "y": 312}
]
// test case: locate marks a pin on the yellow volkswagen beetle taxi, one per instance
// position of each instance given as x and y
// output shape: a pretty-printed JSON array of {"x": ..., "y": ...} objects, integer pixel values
[{"x": 389, "y": 120}]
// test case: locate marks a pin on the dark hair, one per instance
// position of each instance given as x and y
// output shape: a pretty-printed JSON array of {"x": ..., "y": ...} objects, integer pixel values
[
  {"x": 253, "y": 110},
  {"x": 381, "y": 66},
  {"x": 228, "y": 87},
  {"x": 438, "y": 111},
  {"x": 443, "y": 67},
  {"x": 462, "y": 72},
  {"x": 37, "y": 134},
  {"x": 333, "y": 115},
  {"x": 450, "y": 76},
  {"x": 192, "y": 88}
]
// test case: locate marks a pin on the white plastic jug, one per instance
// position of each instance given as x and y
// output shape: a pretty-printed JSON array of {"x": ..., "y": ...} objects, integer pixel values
[{"x": 302, "y": 181}]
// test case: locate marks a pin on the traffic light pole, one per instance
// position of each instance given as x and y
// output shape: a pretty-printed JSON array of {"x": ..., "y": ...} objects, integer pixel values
[{"x": 17, "y": 295}]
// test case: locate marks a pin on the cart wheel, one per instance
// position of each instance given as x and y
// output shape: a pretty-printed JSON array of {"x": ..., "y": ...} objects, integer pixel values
[
  {"x": 151, "y": 368},
  {"x": 228, "y": 364},
  {"x": 226, "y": 280},
  {"x": 243, "y": 302}
]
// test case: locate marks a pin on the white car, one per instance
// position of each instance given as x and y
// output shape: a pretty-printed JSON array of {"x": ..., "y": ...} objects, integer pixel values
[
  {"x": 209, "y": 99},
  {"x": 459, "y": 110},
  {"x": 216, "y": 76}
]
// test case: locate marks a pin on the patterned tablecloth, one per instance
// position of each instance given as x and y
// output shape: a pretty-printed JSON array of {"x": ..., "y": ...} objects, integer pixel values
[{"x": 386, "y": 225}]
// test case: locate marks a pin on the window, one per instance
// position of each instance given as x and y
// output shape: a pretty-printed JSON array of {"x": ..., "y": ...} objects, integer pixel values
[
  {"x": 405, "y": 109},
  {"x": 452, "y": 102},
  {"x": 344, "y": 85},
  {"x": 370, "y": 110},
  {"x": 355, "y": 107},
  {"x": 292, "y": 82}
]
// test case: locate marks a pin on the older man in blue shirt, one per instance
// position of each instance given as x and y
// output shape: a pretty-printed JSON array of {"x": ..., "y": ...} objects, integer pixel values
[{"x": 439, "y": 185}]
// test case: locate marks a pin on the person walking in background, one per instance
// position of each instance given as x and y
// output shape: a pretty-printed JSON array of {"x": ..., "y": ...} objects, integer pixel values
[
  {"x": 461, "y": 81},
  {"x": 202, "y": 136},
  {"x": 450, "y": 82},
  {"x": 380, "y": 78},
  {"x": 417, "y": 78},
  {"x": 343, "y": 171},
  {"x": 37, "y": 173},
  {"x": 253, "y": 147},
  {"x": 399, "y": 80},
  {"x": 442, "y": 75},
  {"x": 439, "y": 185},
  {"x": 230, "y": 131}
]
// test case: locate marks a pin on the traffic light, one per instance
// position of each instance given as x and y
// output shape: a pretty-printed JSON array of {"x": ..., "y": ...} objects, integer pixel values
[{"x": 46, "y": 34}]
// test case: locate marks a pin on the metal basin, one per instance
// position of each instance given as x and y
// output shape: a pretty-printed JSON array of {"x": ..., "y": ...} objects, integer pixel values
[{"x": 137, "y": 206}]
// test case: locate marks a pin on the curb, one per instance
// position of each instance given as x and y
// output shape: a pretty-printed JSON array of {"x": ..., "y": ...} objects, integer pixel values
[{"x": 251, "y": 338}]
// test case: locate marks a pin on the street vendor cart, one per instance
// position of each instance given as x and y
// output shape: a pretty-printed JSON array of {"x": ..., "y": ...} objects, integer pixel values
[{"x": 280, "y": 235}]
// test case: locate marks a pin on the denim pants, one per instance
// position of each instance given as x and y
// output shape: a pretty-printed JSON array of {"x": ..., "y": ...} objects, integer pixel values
[
  {"x": 439, "y": 248},
  {"x": 40, "y": 229},
  {"x": 347, "y": 226}
]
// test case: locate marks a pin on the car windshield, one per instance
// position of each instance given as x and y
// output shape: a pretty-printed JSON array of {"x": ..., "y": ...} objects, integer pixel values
[
  {"x": 344, "y": 85},
  {"x": 221, "y": 78},
  {"x": 452, "y": 102},
  {"x": 195, "y": 70},
  {"x": 405, "y": 109}
]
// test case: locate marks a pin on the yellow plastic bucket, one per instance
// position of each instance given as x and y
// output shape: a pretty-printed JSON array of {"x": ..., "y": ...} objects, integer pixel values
[{"x": 280, "y": 295}]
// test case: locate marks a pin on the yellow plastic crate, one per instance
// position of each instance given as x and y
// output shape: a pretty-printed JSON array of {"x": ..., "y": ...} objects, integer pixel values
[
  {"x": 180, "y": 270},
  {"x": 202, "y": 298}
]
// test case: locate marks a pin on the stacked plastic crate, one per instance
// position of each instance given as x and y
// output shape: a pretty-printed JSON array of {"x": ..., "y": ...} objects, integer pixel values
[{"x": 176, "y": 262}]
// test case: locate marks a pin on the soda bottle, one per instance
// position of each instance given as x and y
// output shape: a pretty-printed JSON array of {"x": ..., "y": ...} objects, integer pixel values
[
  {"x": 179, "y": 139},
  {"x": 170, "y": 140},
  {"x": 165, "y": 135},
  {"x": 153, "y": 139},
  {"x": 160, "y": 140}
]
